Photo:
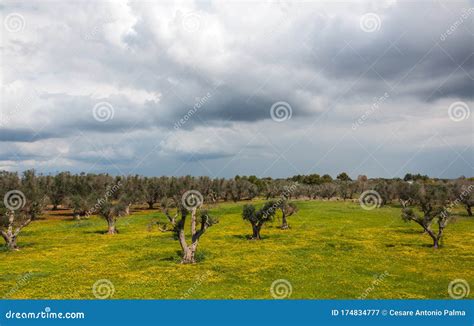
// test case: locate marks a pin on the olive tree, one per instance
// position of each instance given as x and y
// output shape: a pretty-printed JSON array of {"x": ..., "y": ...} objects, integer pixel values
[
  {"x": 22, "y": 203},
  {"x": 59, "y": 189},
  {"x": 201, "y": 220},
  {"x": 327, "y": 190},
  {"x": 362, "y": 183},
  {"x": 287, "y": 209},
  {"x": 131, "y": 192},
  {"x": 11, "y": 224},
  {"x": 385, "y": 191},
  {"x": 258, "y": 217},
  {"x": 110, "y": 212},
  {"x": 271, "y": 189},
  {"x": 406, "y": 192},
  {"x": 343, "y": 177},
  {"x": 240, "y": 188},
  {"x": 346, "y": 189},
  {"x": 82, "y": 206},
  {"x": 463, "y": 193},
  {"x": 152, "y": 191},
  {"x": 432, "y": 201}
]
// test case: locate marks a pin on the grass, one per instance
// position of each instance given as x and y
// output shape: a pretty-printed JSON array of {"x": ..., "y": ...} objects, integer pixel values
[{"x": 333, "y": 250}]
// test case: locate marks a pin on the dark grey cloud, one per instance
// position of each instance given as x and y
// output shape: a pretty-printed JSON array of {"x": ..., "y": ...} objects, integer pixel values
[
  {"x": 154, "y": 62},
  {"x": 22, "y": 135}
]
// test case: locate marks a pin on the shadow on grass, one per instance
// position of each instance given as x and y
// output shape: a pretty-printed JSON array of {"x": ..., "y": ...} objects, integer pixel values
[
  {"x": 408, "y": 231},
  {"x": 249, "y": 237},
  {"x": 59, "y": 213},
  {"x": 104, "y": 232},
  {"x": 70, "y": 218},
  {"x": 21, "y": 246},
  {"x": 410, "y": 245},
  {"x": 176, "y": 258}
]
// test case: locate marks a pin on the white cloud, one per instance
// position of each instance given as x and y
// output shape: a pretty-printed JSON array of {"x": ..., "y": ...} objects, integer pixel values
[{"x": 152, "y": 60}]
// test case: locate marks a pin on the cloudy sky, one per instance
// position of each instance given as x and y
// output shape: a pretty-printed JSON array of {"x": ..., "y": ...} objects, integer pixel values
[{"x": 219, "y": 88}]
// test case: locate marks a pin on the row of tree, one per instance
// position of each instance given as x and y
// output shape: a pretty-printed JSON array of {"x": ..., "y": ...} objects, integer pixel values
[
  {"x": 82, "y": 191},
  {"x": 425, "y": 201}
]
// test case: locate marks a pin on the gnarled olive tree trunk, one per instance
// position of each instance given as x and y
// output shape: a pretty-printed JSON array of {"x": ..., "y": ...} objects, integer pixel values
[
  {"x": 189, "y": 250},
  {"x": 189, "y": 253},
  {"x": 435, "y": 237},
  {"x": 127, "y": 210},
  {"x": 10, "y": 234},
  {"x": 284, "y": 222},
  {"x": 256, "y": 232},
  {"x": 10, "y": 241},
  {"x": 286, "y": 210},
  {"x": 111, "y": 221}
]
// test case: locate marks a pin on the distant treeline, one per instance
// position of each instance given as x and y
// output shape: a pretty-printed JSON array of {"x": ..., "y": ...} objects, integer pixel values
[{"x": 82, "y": 192}]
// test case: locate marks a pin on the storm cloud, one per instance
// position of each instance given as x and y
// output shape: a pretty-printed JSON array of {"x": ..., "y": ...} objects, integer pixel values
[{"x": 272, "y": 88}]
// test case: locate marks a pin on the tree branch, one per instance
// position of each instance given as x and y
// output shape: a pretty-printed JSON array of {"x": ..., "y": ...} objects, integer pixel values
[
  {"x": 22, "y": 225},
  {"x": 193, "y": 221}
]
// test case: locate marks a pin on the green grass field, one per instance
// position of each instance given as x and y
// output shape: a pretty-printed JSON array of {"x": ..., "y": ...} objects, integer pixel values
[{"x": 333, "y": 250}]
